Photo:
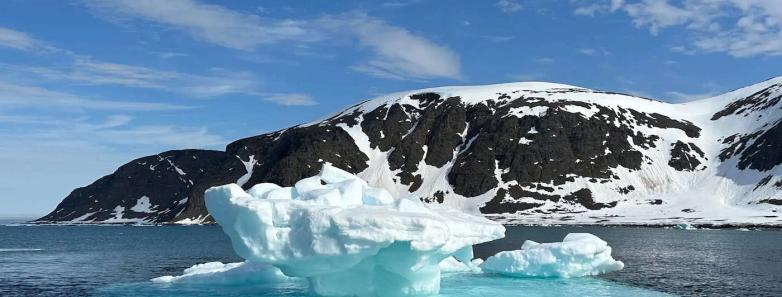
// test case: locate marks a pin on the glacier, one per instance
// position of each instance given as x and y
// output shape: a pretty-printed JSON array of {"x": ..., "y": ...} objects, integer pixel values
[{"x": 343, "y": 237}]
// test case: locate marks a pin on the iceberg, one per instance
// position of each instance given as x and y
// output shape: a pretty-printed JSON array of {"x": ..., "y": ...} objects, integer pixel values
[
  {"x": 345, "y": 237},
  {"x": 579, "y": 254}
]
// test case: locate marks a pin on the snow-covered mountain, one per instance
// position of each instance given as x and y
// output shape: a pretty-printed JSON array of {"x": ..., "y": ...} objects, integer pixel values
[{"x": 521, "y": 152}]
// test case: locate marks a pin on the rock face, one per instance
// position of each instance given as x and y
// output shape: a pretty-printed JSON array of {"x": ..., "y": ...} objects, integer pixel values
[
  {"x": 162, "y": 188},
  {"x": 523, "y": 148}
]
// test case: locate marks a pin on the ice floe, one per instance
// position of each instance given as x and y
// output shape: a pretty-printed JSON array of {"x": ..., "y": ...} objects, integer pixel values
[
  {"x": 579, "y": 254},
  {"x": 230, "y": 273}
]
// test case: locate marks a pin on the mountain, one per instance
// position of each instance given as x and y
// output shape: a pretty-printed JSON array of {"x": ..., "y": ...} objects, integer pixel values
[{"x": 519, "y": 152}]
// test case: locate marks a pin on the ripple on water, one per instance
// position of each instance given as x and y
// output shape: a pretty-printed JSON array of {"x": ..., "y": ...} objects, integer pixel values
[{"x": 457, "y": 285}]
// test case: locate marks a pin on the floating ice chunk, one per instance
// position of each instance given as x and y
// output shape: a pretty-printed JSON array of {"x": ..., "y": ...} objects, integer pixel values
[
  {"x": 231, "y": 273},
  {"x": 347, "y": 238},
  {"x": 261, "y": 190},
  {"x": 684, "y": 226},
  {"x": 579, "y": 254}
]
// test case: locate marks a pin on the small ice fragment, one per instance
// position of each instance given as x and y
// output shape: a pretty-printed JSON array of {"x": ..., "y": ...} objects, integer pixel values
[
  {"x": 231, "y": 273},
  {"x": 451, "y": 265},
  {"x": 579, "y": 254},
  {"x": 684, "y": 226}
]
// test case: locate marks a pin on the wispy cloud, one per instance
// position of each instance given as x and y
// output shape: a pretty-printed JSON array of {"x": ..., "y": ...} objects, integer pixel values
[
  {"x": 85, "y": 70},
  {"x": 593, "y": 52},
  {"x": 207, "y": 22},
  {"x": 88, "y": 71},
  {"x": 740, "y": 28},
  {"x": 674, "y": 96},
  {"x": 496, "y": 38},
  {"x": 15, "y": 95},
  {"x": 66, "y": 152},
  {"x": 509, "y": 6},
  {"x": 544, "y": 60},
  {"x": 527, "y": 76},
  {"x": 591, "y": 7},
  {"x": 21, "y": 41},
  {"x": 115, "y": 129},
  {"x": 290, "y": 99},
  {"x": 397, "y": 4},
  {"x": 396, "y": 53}
]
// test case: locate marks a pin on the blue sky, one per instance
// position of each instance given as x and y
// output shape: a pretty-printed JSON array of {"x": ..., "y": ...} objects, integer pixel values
[{"x": 86, "y": 86}]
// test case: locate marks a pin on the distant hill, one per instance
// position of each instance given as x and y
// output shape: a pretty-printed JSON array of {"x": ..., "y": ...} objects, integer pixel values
[{"x": 524, "y": 152}]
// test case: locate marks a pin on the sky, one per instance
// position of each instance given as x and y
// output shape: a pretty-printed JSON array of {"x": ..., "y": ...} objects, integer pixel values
[{"x": 88, "y": 85}]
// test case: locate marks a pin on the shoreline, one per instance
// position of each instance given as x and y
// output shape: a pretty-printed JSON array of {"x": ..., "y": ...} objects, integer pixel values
[{"x": 695, "y": 226}]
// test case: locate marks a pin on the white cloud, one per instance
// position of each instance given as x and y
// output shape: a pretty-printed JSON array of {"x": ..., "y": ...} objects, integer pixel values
[
  {"x": 291, "y": 99},
  {"x": 544, "y": 60},
  {"x": 16, "y": 39},
  {"x": 15, "y": 95},
  {"x": 87, "y": 71},
  {"x": 113, "y": 130},
  {"x": 397, "y": 4},
  {"x": 594, "y": 52},
  {"x": 497, "y": 38},
  {"x": 210, "y": 23},
  {"x": 396, "y": 52},
  {"x": 509, "y": 6},
  {"x": 740, "y": 28},
  {"x": 10, "y": 38},
  {"x": 674, "y": 96},
  {"x": 587, "y": 51},
  {"x": 527, "y": 77},
  {"x": 591, "y": 7}
]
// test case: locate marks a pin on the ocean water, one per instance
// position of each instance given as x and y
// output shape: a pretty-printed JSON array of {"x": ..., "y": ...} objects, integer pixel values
[{"x": 120, "y": 260}]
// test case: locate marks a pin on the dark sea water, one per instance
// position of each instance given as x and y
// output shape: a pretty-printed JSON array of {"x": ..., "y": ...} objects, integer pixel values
[{"x": 120, "y": 260}]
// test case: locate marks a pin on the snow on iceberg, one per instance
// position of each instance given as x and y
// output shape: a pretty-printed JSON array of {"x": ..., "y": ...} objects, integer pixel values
[
  {"x": 345, "y": 237},
  {"x": 231, "y": 273},
  {"x": 579, "y": 254}
]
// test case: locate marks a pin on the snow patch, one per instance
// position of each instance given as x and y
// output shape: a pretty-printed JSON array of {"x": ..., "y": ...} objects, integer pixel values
[{"x": 143, "y": 205}]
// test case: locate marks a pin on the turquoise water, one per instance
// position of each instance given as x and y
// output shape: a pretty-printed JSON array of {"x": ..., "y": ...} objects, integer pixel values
[
  {"x": 455, "y": 285},
  {"x": 120, "y": 260}
]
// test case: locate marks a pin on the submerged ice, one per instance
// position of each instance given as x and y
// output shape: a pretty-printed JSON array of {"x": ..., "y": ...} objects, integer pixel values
[
  {"x": 346, "y": 238},
  {"x": 231, "y": 273},
  {"x": 579, "y": 254}
]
